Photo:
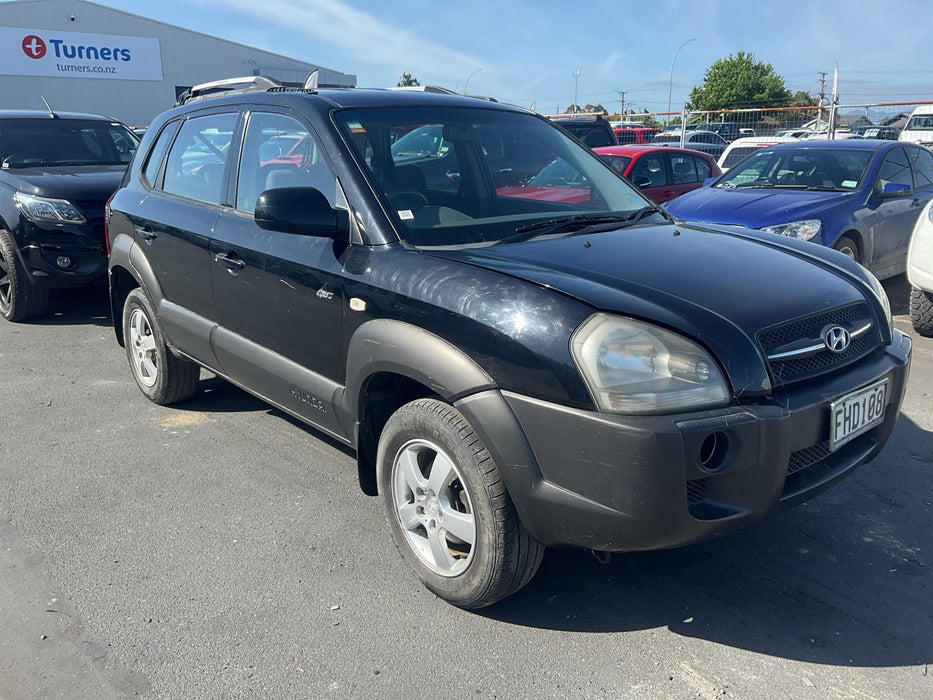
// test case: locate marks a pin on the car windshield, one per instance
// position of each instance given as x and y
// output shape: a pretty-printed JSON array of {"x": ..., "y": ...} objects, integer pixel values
[
  {"x": 459, "y": 176},
  {"x": 800, "y": 168},
  {"x": 31, "y": 143}
]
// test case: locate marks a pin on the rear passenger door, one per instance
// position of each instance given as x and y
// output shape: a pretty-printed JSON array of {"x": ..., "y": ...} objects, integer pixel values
[
  {"x": 279, "y": 296},
  {"x": 185, "y": 171}
]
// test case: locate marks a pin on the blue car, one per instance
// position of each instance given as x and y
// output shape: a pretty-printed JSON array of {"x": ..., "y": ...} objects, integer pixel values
[{"x": 861, "y": 197}]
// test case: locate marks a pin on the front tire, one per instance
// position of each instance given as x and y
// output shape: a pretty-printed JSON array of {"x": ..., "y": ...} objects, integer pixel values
[
  {"x": 921, "y": 311},
  {"x": 846, "y": 246},
  {"x": 162, "y": 376},
  {"x": 448, "y": 510},
  {"x": 19, "y": 298}
]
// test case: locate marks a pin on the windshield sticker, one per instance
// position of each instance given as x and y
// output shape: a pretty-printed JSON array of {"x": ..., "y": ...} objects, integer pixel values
[
  {"x": 849, "y": 183},
  {"x": 354, "y": 126},
  {"x": 405, "y": 214}
]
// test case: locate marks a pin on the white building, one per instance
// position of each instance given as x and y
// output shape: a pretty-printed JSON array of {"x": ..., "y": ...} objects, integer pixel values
[{"x": 84, "y": 57}]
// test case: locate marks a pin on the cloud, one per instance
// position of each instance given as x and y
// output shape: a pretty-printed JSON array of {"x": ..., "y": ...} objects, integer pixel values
[{"x": 361, "y": 35}]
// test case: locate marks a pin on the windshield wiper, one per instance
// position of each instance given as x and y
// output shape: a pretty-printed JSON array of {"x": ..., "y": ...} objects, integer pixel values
[
  {"x": 826, "y": 188},
  {"x": 579, "y": 223}
]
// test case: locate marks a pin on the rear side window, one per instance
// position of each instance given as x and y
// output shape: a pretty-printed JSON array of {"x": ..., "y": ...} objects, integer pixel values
[
  {"x": 197, "y": 159},
  {"x": 156, "y": 154}
]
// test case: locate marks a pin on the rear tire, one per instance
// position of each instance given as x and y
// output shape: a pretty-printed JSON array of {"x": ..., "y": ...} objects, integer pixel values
[
  {"x": 19, "y": 298},
  {"x": 921, "y": 311},
  {"x": 161, "y": 375},
  {"x": 448, "y": 510}
]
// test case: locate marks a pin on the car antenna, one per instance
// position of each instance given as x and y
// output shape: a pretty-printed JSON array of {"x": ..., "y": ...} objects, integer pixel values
[{"x": 49, "y": 107}]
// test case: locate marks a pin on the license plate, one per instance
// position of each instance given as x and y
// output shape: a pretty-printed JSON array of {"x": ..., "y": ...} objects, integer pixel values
[{"x": 853, "y": 414}]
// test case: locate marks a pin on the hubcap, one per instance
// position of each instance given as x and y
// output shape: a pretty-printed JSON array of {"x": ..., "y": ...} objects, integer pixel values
[
  {"x": 433, "y": 507},
  {"x": 143, "y": 347}
]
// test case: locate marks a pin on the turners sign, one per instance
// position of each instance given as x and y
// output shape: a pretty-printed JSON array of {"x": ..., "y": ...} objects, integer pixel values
[{"x": 42, "y": 52}]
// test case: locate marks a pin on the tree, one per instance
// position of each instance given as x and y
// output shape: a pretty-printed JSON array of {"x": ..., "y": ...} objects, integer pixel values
[
  {"x": 739, "y": 82},
  {"x": 802, "y": 98},
  {"x": 407, "y": 81}
]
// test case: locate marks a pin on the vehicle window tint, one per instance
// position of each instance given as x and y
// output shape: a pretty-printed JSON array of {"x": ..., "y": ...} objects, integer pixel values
[
  {"x": 28, "y": 143},
  {"x": 156, "y": 154},
  {"x": 704, "y": 171},
  {"x": 922, "y": 161},
  {"x": 683, "y": 169},
  {"x": 649, "y": 167},
  {"x": 279, "y": 151},
  {"x": 896, "y": 169},
  {"x": 196, "y": 161}
]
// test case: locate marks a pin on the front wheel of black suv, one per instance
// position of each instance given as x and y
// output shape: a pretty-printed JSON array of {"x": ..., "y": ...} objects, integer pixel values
[
  {"x": 447, "y": 507},
  {"x": 161, "y": 375},
  {"x": 19, "y": 299}
]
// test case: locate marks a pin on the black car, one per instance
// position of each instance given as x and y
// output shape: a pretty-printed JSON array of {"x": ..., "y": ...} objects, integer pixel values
[
  {"x": 593, "y": 131},
  {"x": 57, "y": 171},
  {"x": 515, "y": 367}
]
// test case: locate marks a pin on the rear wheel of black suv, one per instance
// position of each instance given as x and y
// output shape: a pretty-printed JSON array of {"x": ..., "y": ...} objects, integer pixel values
[
  {"x": 447, "y": 507},
  {"x": 19, "y": 299},
  {"x": 161, "y": 375}
]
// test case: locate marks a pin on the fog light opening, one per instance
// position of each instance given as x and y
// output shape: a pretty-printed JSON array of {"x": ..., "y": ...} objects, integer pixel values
[
  {"x": 713, "y": 451},
  {"x": 64, "y": 262}
]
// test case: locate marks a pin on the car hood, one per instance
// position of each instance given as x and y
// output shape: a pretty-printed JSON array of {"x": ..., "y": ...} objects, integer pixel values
[
  {"x": 717, "y": 286},
  {"x": 78, "y": 182},
  {"x": 752, "y": 207}
]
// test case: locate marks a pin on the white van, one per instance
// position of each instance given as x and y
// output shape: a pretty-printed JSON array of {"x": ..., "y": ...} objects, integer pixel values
[
  {"x": 740, "y": 148},
  {"x": 919, "y": 127}
]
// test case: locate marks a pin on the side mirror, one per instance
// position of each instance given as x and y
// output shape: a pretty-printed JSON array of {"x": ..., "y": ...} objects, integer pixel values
[
  {"x": 896, "y": 189},
  {"x": 301, "y": 210},
  {"x": 641, "y": 182}
]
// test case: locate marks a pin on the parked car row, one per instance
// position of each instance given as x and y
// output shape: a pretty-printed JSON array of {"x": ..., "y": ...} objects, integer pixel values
[{"x": 520, "y": 348}]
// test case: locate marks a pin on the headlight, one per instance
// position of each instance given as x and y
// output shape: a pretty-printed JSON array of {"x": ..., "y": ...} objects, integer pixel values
[
  {"x": 804, "y": 230},
  {"x": 45, "y": 210},
  {"x": 635, "y": 368}
]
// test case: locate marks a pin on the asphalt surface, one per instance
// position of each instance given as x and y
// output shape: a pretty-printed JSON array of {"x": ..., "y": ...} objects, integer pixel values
[{"x": 219, "y": 549}]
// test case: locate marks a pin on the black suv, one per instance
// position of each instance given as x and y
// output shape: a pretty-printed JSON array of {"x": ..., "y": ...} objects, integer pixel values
[
  {"x": 593, "y": 131},
  {"x": 516, "y": 366},
  {"x": 56, "y": 173}
]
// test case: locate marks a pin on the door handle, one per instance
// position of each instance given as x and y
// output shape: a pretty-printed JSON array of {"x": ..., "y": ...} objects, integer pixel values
[
  {"x": 146, "y": 233},
  {"x": 233, "y": 265}
]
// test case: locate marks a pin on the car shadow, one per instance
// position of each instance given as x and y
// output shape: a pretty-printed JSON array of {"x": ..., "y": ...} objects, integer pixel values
[
  {"x": 840, "y": 580},
  {"x": 898, "y": 291},
  {"x": 77, "y": 307}
]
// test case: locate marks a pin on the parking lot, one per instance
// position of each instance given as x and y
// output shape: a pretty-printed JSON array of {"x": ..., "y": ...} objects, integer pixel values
[{"x": 221, "y": 549}]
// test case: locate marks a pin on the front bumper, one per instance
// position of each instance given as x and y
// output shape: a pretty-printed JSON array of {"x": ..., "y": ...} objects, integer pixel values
[
  {"x": 623, "y": 483},
  {"x": 83, "y": 249}
]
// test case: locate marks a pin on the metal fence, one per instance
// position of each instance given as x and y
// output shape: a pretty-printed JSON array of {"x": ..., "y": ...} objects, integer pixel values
[{"x": 734, "y": 123}]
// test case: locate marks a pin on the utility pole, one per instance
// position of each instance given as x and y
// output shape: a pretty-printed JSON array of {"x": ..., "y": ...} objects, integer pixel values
[
  {"x": 819, "y": 116},
  {"x": 621, "y": 103}
]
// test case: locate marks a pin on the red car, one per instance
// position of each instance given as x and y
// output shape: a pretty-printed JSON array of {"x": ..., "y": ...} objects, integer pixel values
[
  {"x": 635, "y": 134},
  {"x": 662, "y": 173}
]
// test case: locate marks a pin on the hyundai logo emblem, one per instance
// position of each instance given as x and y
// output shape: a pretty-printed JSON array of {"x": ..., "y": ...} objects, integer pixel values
[{"x": 837, "y": 339}]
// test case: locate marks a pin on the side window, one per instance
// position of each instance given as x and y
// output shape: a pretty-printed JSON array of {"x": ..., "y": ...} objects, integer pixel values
[
  {"x": 682, "y": 169},
  {"x": 196, "y": 161},
  {"x": 650, "y": 168},
  {"x": 156, "y": 154},
  {"x": 922, "y": 161},
  {"x": 896, "y": 169},
  {"x": 704, "y": 171},
  {"x": 279, "y": 151}
]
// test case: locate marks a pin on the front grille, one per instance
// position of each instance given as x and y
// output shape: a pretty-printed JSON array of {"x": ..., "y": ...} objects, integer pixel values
[
  {"x": 696, "y": 490},
  {"x": 801, "y": 459},
  {"x": 807, "y": 331}
]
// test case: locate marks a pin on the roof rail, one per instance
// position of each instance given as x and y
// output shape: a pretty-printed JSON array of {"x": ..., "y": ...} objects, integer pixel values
[{"x": 214, "y": 88}]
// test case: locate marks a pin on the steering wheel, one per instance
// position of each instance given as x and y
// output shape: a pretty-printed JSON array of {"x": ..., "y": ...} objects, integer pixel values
[
  {"x": 19, "y": 159},
  {"x": 407, "y": 199}
]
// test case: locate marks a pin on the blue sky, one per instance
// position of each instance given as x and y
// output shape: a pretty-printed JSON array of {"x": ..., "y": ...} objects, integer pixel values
[{"x": 527, "y": 53}]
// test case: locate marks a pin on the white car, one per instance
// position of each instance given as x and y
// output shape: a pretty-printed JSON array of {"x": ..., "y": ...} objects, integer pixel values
[{"x": 920, "y": 273}]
